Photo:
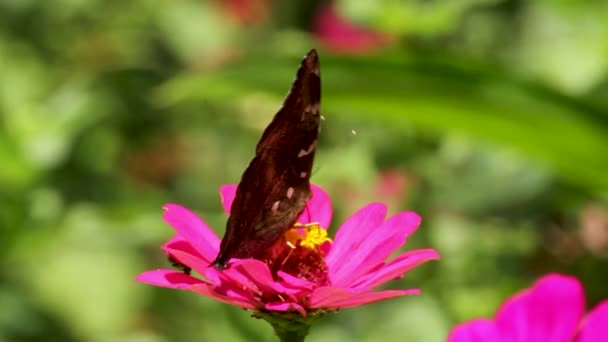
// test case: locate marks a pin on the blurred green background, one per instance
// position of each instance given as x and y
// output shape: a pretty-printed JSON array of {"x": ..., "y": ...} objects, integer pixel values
[{"x": 488, "y": 117}]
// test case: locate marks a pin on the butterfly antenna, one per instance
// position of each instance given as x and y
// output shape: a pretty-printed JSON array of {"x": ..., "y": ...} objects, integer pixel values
[
  {"x": 287, "y": 257},
  {"x": 308, "y": 212}
]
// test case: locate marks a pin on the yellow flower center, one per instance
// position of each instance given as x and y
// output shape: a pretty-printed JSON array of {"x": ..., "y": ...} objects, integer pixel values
[
  {"x": 310, "y": 236},
  {"x": 300, "y": 253}
]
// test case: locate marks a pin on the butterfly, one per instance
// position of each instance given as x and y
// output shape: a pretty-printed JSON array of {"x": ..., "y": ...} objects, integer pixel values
[{"x": 275, "y": 187}]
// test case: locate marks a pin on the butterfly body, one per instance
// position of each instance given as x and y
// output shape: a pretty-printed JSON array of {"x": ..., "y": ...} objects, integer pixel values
[{"x": 275, "y": 187}]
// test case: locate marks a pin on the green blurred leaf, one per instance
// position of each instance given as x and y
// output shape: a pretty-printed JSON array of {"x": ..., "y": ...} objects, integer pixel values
[{"x": 438, "y": 96}]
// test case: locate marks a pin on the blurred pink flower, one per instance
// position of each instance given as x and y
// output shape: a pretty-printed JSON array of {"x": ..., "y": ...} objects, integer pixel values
[
  {"x": 340, "y": 35},
  {"x": 551, "y": 311},
  {"x": 314, "y": 274},
  {"x": 391, "y": 184}
]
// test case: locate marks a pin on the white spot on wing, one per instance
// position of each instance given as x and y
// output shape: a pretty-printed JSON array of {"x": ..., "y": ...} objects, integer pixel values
[
  {"x": 275, "y": 206},
  {"x": 290, "y": 192},
  {"x": 303, "y": 174},
  {"x": 310, "y": 109},
  {"x": 310, "y": 149}
]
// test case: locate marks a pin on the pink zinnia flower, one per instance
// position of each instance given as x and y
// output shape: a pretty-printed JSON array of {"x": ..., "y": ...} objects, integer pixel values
[
  {"x": 341, "y": 35},
  {"x": 551, "y": 311},
  {"x": 305, "y": 272}
]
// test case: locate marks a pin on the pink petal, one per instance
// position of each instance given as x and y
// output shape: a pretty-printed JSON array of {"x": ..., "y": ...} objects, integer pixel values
[
  {"x": 196, "y": 263},
  {"x": 253, "y": 272},
  {"x": 207, "y": 291},
  {"x": 285, "y": 307},
  {"x": 227, "y": 194},
  {"x": 379, "y": 245},
  {"x": 175, "y": 239},
  {"x": 258, "y": 274},
  {"x": 318, "y": 208},
  {"x": 180, "y": 281},
  {"x": 250, "y": 275},
  {"x": 550, "y": 311},
  {"x": 295, "y": 282},
  {"x": 396, "y": 268},
  {"x": 230, "y": 289},
  {"x": 235, "y": 291},
  {"x": 372, "y": 297},
  {"x": 234, "y": 277},
  {"x": 190, "y": 227},
  {"x": 179, "y": 243},
  {"x": 168, "y": 278},
  {"x": 340, "y": 35},
  {"x": 478, "y": 330},
  {"x": 352, "y": 234},
  {"x": 595, "y": 325},
  {"x": 324, "y": 295},
  {"x": 340, "y": 298}
]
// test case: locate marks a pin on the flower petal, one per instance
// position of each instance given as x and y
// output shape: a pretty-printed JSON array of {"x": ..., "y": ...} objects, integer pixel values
[
  {"x": 295, "y": 282},
  {"x": 550, "y": 311},
  {"x": 372, "y": 297},
  {"x": 286, "y": 307},
  {"x": 318, "y": 208},
  {"x": 190, "y": 227},
  {"x": 396, "y": 268},
  {"x": 250, "y": 275},
  {"x": 194, "y": 262},
  {"x": 207, "y": 291},
  {"x": 353, "y": 233},
  {"x": 340, "y": 35},
  {"x": 478, "y": 330},
  {"x": 324, "y": 295},
  {"x": 227, "y": 194},
  {"x": 181, "y": 244},
  {"x": 379, "y": 245},
  {"x": 258, "y": 274},
  {"x": 175, "y": 239},
  {"x": 168, "y": 278},
  {"x": 181, "y": 281},
  {"x": 595, "y": 325},
  {"x": 335, "y": 298}
]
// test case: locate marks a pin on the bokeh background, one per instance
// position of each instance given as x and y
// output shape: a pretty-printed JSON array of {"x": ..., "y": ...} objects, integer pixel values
[{"x": 488, "y": 117}]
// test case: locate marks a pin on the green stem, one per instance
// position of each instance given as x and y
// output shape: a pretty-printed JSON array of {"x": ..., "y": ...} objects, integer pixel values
[
  {"x": 292, "y": 333},
  {"x": 287, "y": 327}
]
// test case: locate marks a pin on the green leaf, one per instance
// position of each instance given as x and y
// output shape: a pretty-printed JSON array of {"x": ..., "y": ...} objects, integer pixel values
[{"x": 441, "y": 96}]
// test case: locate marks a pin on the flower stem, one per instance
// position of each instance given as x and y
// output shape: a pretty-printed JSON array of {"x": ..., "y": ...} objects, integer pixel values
[
  {"x": 287, "y": 327},
  {"x": 291, "y": 333}
]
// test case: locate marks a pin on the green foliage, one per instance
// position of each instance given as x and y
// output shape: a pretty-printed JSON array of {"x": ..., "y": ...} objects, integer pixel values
[{"x": 489, "y": 118}]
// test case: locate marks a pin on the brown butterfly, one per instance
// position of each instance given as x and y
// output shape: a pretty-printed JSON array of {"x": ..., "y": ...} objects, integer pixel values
[{"x": 276, "y": 185}]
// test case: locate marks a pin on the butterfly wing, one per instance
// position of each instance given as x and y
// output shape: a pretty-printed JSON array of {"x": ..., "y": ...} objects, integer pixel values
[{"x": 276, "y": 185}]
